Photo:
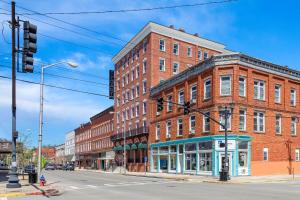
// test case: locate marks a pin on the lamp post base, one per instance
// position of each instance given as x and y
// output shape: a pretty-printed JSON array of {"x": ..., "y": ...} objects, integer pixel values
[
  {"x": 224, "y": 175},
  {"x": 13, "y": 180}
]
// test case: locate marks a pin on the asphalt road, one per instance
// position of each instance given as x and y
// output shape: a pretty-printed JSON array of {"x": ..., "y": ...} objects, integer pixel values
[{"x": 90, "y": 185}]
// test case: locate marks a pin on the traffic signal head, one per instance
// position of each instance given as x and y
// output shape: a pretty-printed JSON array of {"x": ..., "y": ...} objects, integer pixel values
[
  {"x": 160, "y": 106},
  {"x": 186, "y": 108},
  {"x": 29, "y": 37},
  {"x": 27, "y": 62}
]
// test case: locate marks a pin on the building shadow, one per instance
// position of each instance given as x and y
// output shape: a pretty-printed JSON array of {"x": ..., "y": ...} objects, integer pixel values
[{"x": 3, "y": 175}]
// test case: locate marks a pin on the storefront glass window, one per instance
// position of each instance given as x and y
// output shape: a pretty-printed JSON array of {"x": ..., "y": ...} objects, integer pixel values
[
  {"x": 243, "y": 145},
  {"x": 155, "y": 163},
  {"x": 205, "y": 162},
  {"x": 190, "y": 147},
  {"x": 173, "y": 162},
  {"x": 164, "y": 150},
  {"x": 205, "y": 145},
  {"x": 155, "y": 150},
  {"x": 181, "y": 148},
  {"x": 173, "y": 149},
  {"x": 190, "y": 161},
  {"x": 243, "y": 159},
  {"x": 163, "y": 162}
]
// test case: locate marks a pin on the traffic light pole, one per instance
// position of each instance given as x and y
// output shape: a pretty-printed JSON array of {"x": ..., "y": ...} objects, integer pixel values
[{"x": 13, "y": 181}]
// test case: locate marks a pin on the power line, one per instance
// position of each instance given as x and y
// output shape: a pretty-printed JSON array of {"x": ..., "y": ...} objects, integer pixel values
[
  {"x": 57, "y": 87},
  {"x": 135, "y": 9}
]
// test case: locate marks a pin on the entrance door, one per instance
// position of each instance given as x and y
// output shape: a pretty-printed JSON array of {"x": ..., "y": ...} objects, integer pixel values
[
  {"x": 222, "y": 161},
  {"x": 180, "y": 163}
]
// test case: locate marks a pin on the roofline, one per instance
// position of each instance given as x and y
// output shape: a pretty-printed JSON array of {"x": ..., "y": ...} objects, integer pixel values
[
  {"x": 225, "y": 59},
  {"x": 167, "y": 31},
  {"x": 111, "y": 108}
]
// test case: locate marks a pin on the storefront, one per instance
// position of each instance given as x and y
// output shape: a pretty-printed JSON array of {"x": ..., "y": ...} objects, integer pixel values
[{"x": 202, "y": 155}]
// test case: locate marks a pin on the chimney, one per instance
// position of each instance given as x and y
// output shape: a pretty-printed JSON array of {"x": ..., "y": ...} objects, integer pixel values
[
  {"x": 181, "y": 29},
  {"x": 196, "y": 34},
  {"x": 171, "y": 26}
]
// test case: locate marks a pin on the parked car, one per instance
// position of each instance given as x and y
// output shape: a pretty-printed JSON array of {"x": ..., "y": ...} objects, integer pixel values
[
  {"x": 29, "y": 168},
  {"x": 50, "y": 167},
  {"x": 59, "y": 167},
  {"x": 69, "y": 167}
]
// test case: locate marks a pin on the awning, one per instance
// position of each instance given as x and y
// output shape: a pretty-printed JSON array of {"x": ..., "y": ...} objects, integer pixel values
[
  {"x": 133, "y": 146},
  {"x": 118, "y": 148},
  {"x": 127, "y": 147},
  {"x": 143, "y": 146}
]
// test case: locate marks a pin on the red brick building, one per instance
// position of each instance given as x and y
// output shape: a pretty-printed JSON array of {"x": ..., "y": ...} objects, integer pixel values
[
  {"x": 93, "y": 147},
  {"x": 264, "y": 100},
  {"x": 153, "y": 55}
]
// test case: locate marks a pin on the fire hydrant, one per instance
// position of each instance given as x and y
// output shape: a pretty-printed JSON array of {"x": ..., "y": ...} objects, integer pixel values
[{"x": 42, "y": 181}]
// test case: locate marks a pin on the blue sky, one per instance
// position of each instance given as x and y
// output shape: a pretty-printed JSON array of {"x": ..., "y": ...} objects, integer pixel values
[{"x": 264, "y": 29}]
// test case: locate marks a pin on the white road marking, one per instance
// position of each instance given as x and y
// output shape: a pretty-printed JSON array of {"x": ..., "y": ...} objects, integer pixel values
[
  {"x": 134, "y": 183},
  {"x": 74, "y": 187},
  {"x": 91, "y": 186},
  {"x": 3, "y": 198}
]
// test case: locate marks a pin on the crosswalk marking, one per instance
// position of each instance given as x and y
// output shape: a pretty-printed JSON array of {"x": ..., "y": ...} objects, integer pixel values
[
  {"x": 91, "y": 186},
  {"x": 74, "y": 187},
  {"x": 3, "y": 198}
]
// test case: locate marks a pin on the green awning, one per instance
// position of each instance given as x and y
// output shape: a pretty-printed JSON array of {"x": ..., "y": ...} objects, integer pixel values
[
  {"x": 118, "y": 148},
  {"x": 143, "y": 146},
  {"x": 133, "y": 146},
  {"x": 127, "y": 147}
]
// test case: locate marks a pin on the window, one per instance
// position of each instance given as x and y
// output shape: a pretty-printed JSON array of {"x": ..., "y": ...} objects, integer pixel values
[
  {"x": 225, "y": 85},
  {"x": 293, "y": 97},
  {"x": 266, "y": 154},
  {"x": 132, "y": 93},
  {"x": 158, "y": 131},
  {"x": 137, "y": 110},
  {"x": 145, "y": 46},
  {"x": 297, "y": 155},
  {"x": 175, "y": 68},
  {"x": 144, "y": 66},
  {"x": 189, "y": 52},
  {"x": 144, "y": 87},
  {"x": 137, "y": 73},
  {"x": 132, "y": 75},
  {"x": 168, "y": 129},
  {"x": 137, "y": 91},
  {"x": 162, "y": 46},
  {"x": 259, "y": 90},
  {"x": 278, "y": 124},
  {"x": 127, "y": 78},
  {"x": 144, "y": 107},
  {"x": 193, "y": 96},
  {"x": 242, "y": 86},
  {"x": 206, "y": 122},
  {"x": 294, "y": 126},
  {"x": 199, "y": 54},
  {"x": 277, "y": 93},
  {"x": 207, "y": 88},
  {"x": 179, "y": 127},
  {"x": 169, "y": 103},
  {"x": 192, "y": 124},
  {"x": 222, "y": 120},
  {"x": 205, "y": 161},
  {"x": 176, "y": 48},
  {"x": 205, "y": 55},
  {"x": 181, "y": 97},
  {"x": 259, "y": 121},
  {"x": 132, "y": 112},
  {"x": 162, "y": 66},
  {"x": 242, "y": 124}
]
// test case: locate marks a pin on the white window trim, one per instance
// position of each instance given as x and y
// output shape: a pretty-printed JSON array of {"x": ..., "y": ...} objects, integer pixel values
[
  {"x": 294, "y": 134},
  {"x": 229, "y": 120},
  {"x": 177, "y": 48},
  {"x": 178, "y": 126},
  {"x": 177, "y": 68},
  {"x": 204, "y": 88},
  {"x": 297, "y": 151},
  {"x": 264, "y": 122},
  {"x": 266, "y": 150},
  {"x": 279, "y": 101},
  {"x": 156, "y": 131},
  {"x": 264, "y": 96},
  {"x": 295, "y": 97},
  {"x": 245, "y": 124},
  {"x": 280, "y": 124},
  {"x": 168, "y": 134},
  {"x": 164, "y": 67},
  {"x": 164, "y": 46},
  {"x": 222, "y": 76},
  {"x": 203, "y": 128},
  {"x": 193, "y": 85},
  {"x": 169, "y": 110},
  {"x": 178, "y": 95},
  {"x": 192, "y": 131},
  {"x": 245, "y": 86},
  {"x": 189, "y": 47}
]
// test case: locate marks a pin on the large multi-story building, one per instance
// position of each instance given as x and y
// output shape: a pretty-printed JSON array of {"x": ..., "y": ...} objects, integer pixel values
[
  {"x": 93, "y": 145},
  {"x": 70, "y": 146},
  {"x": 60, "y": 154},
  {"x": 152, "y": 56},
  {"x": 264, "y": 102}
]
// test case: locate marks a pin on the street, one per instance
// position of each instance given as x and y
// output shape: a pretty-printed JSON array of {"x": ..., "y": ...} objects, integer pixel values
[{"x": 90, "y": 185}]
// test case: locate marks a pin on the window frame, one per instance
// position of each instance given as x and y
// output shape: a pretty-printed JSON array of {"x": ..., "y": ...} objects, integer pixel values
[
  {"x": 245, "y": 119},
  {"x": 164, "y": 65},
  {"x": 293, "y": 93},
  {"x": 279, "y": 93},
  {"x": 294, "y": 123},
  {"x": 169, "y": 103},
  {"x": 222, "y": 85},
  {"x": 193, "y": 100},
  {"x": 244, "y": 86},
  {"x": 266, "y": 150},
  {"x": 162, "y": 46},
  {"x": 177, "y": 52},
  {"x": 204, "y": 122},
  {"x": 280, "y": 124},
  {"x": 157, "y": 131},
  {"x": 259, "y": 91},
  {"x": 175, "y": 63},
  {"x": 168, "y": 128},
  {"x": 205, "y": 89},
  {"x": 190, "y": 124},
  {"x": 179, "y": 96},
  {"x": 258, "y": 121},
  {"x": 178, "y": 127},
  {"x": 189, "y": 52}
]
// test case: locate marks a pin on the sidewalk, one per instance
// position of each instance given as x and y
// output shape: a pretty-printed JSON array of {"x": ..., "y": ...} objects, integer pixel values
[{"x": 27, "y": 189}]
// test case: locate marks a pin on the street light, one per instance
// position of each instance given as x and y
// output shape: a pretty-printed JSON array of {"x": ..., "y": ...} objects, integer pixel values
[
  {"x": 71, "y": 64},
  {"x": 124, "y": 149}
]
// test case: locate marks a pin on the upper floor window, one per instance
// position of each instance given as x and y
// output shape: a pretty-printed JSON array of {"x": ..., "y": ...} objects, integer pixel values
[
  {"x": 176, "y": 48},
  {"x": 277, "y": 93},
  {"x": 137, "y": 72},
  {"x": 205, "y": 55},
  {"x": 132, "y": 75},
  {"x": 193, "y": 94},
  {"x": 144, "y": 66},
  {"x": 169, "y": 103},
  {"x": 175, "y": 68},
  {"x": 207, "y": 89},
  {"x": 137, "y": 110},
  {"x": 242, "y": 86},
  {"x": 192, "y": 124},
  {"x": 157, "y": 135},
  {"x": 259, "y": 90},
  {"x": 168, "y": 129},
  {"x": 294, "y": 126},
  {"x": 179, "y": 127},
  {"x": 144, "y": 87},
  {"x": 144, "y": 107},
  {"x": 199, "y": 54},
  {"x": 162, "y": 45},
  {"x": 297, "y": 155},
  {"x": 242, "y": 124},
  {"x": 259, "y": 121},
  {"x": 181, "y": 97},
  {"x": 293, "y": 97},
  {"x": 206, "y": 122},
  {"x": 222, "y": 121},
  {"x": 162, "y": 66},
  {"x": 145, "y": 46},
  {"x": 137, "y": 91},
  {"x": 266, "y": 154},
  {"x": 189, "y": 52},
  {"x": 278, "y": 124},
  {"x": 225, "y": 85}
]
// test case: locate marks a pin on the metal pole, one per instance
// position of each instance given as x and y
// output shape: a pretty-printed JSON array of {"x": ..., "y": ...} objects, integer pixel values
[
  {"x": 13, "y": 181},
  {"x": 41, "y": 123},
  {"x": 226, "y": 166},
  {"x": 124, "y": 147}
]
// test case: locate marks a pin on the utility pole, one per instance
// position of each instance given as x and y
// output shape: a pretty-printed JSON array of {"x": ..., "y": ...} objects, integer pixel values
[
  {"x": 226, "y": 166},
  {"x": 13, "y": 181}
]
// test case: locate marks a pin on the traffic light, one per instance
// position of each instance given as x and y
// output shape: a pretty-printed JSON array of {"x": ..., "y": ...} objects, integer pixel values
[
  {"x": 160, "y": 106},
  {"x": 186, "y": 108},
  {"x": 29, "y": 46}
]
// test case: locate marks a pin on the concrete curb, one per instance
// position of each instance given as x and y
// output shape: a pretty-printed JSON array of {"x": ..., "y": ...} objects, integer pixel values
[
  {"x": 49, "y": 192},
  {"x": 169, "y": 178}
]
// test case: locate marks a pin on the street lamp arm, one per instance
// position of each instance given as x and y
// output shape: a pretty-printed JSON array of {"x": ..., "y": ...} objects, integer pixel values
[{"x": 58, "y": 63}]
